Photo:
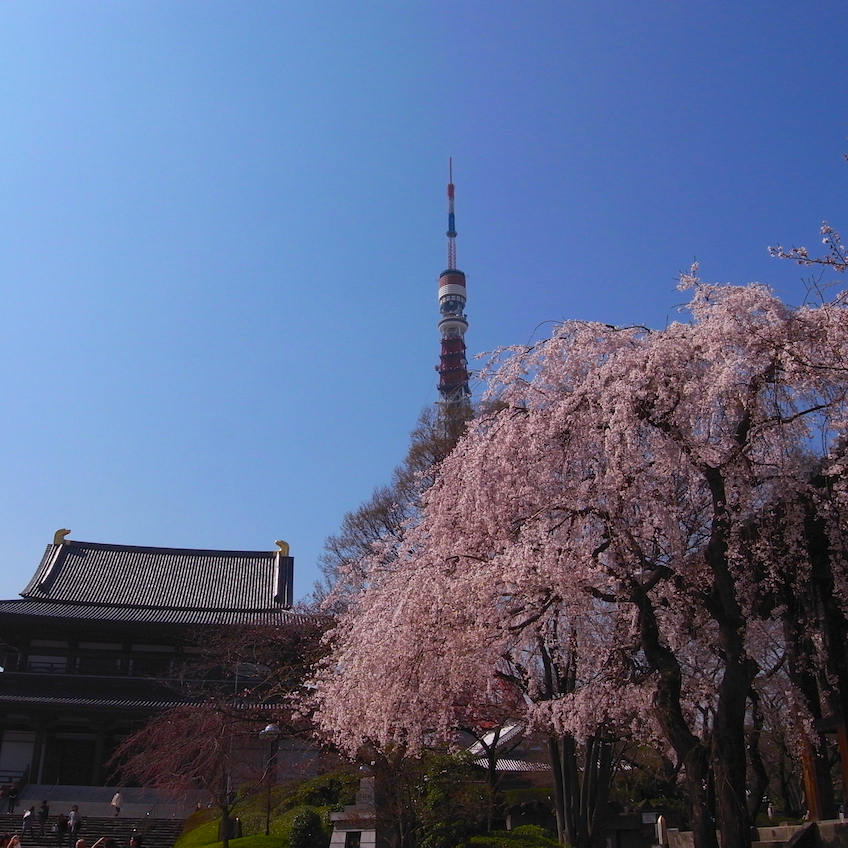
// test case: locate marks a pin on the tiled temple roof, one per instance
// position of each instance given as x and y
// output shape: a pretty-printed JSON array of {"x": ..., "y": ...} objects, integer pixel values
[
  {"x": 507, "y": 764},
  {"x": 123, "y": 583}
]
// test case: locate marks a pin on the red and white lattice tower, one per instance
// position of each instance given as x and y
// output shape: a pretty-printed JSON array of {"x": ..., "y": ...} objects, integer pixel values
[{"x": 453, "y": 366}]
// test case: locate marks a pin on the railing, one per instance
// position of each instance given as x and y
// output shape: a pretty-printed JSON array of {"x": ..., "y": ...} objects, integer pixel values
[
  {"x": 42, "y": 667},
  {"x": 174, "y": 681}
]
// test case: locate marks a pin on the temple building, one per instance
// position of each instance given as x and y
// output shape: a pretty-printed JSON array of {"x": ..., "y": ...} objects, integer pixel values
[{"x": 90, "y": 649}]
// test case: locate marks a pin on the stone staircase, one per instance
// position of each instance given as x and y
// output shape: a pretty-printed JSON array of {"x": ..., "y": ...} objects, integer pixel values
[
  {"x": 155, "y": 833},
  {"x": 157, "y": 817}
]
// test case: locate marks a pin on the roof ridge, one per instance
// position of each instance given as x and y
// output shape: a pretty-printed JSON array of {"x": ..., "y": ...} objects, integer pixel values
[
  {"x": 107, "y": 546},
  {"x": 119, "y": 605}
]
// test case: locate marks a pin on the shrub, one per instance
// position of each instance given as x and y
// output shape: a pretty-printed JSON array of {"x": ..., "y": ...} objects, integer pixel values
[
  {"x": 307, "y": 831},
  {"x": 526, "y": 836},
  {"x": 333, "y": 789}
]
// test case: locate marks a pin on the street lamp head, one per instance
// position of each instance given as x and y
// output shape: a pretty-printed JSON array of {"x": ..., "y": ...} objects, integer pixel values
[{"x": 271, "y": 732}]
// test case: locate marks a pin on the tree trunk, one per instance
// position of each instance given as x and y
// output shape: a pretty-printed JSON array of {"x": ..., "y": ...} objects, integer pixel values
[
  {"x": 225, "y": 827},
  {"x": 728, "y": 742},
  {"x": 571, "y": 790},
  {"x": 729, "y": 763},
  {"x": 761, "y": 778},
  {"x": 580, "y": 796},
  {"x": 834, "y": 627},
  {"x": 555, "y": 756},
  {"x": 603, "y": 767},
  {"x": 690, "y": 752},
  {"x": 801, "y": 655}
]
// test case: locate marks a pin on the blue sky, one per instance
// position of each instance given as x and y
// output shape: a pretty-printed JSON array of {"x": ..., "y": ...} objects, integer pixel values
[{"x": 222, "y": 225}]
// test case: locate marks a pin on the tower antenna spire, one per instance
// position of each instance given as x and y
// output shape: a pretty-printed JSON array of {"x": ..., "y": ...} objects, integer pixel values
[
  {"x": 453, "y": 365},
  {"x": 451, "y": 233}
]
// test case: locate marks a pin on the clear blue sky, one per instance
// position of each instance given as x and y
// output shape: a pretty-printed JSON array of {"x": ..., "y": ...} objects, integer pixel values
[{"x": 223, "y": 225}]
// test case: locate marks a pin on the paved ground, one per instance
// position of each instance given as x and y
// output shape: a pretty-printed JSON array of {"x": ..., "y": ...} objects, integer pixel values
[{"x": 94, "y": 801}]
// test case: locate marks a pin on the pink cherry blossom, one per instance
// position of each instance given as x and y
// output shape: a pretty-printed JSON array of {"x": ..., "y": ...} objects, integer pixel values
[{"x": 590, "y": 543}]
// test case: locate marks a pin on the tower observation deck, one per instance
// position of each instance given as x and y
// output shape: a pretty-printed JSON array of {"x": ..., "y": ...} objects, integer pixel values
[{"x": 453, "y": 365}]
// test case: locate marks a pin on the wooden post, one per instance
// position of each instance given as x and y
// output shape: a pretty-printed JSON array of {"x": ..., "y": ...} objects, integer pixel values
[{"x": 811, "y": 783}]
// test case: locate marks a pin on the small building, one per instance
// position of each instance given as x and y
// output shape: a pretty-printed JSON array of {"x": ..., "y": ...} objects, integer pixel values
[
  {"x": 356, "y": 825},
  {"x": 90, "y": 649}
]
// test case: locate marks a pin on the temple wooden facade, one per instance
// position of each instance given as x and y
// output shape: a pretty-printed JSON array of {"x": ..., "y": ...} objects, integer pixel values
[{"x": 89, "y": 650}]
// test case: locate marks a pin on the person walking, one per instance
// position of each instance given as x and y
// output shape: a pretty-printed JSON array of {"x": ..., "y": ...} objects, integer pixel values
[
  {"x": 43, "y": 816},
  {"x": 26, "y": 824},
  {"x": 117, "y": 802},
  {"x": 61, "y": 828},
  {"x": 74, "y": 823}
]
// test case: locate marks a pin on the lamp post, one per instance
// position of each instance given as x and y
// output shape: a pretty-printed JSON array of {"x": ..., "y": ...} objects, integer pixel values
[{"x": 272, "y": 733}]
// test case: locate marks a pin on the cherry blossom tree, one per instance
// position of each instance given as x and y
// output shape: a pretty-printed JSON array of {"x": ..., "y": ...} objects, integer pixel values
[
  {"x": 241, "y": 679},
  {"x": 594, "y": 540},
  {"x": 193, "y": 752},
  {"x": 836, "y": 255}
]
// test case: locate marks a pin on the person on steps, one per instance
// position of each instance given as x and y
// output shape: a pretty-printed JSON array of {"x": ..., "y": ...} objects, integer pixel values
[
  {"x": 43, "y": 816},
  {"x": 26, "y": 824},
  {"x": 61, "y": 828},
  {"x": 74, "y": 824}
]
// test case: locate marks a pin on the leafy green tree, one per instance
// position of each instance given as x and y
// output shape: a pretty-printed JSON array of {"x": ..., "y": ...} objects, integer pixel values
[
  {"x": 436, "y": 800},
  {"x": 379, "y": 522},
  {"x": 192, "y": 749}
]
